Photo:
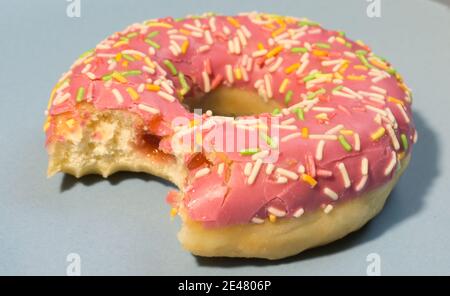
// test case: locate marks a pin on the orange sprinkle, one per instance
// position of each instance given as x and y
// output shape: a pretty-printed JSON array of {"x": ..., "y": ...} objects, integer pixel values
[
  {"x": 272, "y": 218},
  {"x": 360, "y": 67},
  {"x": 233, "y": 21},
  {"x": 137, "y": 57},
  {"x": 238, "y": 74},
  {"x": 379, "y": 63},
  {"x": 274, "y": 51},
  {"x": 152, "y": 87},
  {"x": 117, "y": 76},
  {"x": 320, "y": 53},
  {"x": 173, "y": 212},
  {"x": 184, "y": 46},
  {"x": 158, "y": 24},
  {"x": 305, "y": 132},
  {"x": 278, "y": 31},
  {"x": 356, "y": 77},
  {"x": 310, "y": 180},
  {"x": 133, "y": 94},
  {"x": 125, "y": 64},
  {"x": 395, "y": 100},
  {"x": 185, "y": 32},
  {"x": 292, "y": 68},
  {"x": 401, "y": 155}
]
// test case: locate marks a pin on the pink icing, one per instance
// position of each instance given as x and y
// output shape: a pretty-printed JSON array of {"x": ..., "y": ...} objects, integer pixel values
[{"x": 211, "y": 197}]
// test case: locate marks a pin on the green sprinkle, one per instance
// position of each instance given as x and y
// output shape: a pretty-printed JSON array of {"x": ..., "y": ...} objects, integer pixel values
[
  {"x": 288, "y": 96},
  {"x": 128, "y": 57},
  {"x": 348, "y": 44},
  {"x": 276, "y": 111},
  {"x": 309, "y": 77},
  {"x": 312, "y": 95},
  {"x": 250, "y": 151},
  {"x": 391, "y": 71},
  {"x": 322, "y": 45},
  {"x": 132, "y": 35},
  {"x": 184, "y": 84},
  {"x": 179, "y": 19},
  {"x": 107, "y": 77},
  {"x": 131, "y": 73},
  {"x": 171, "y": 67},
  {"x": 86, "y": 53},
  {"x": 268, "y": 140},
  {"x": 404, "y": 141},
  {"x": 307, "y": 23},
  {"x": 338, "y": 88},
  {"x": 361, "y": 52},
  {"x": 80, "y": 94},
  {"x": 152, "y": 43},
  {"x": 123, "y": 39},
  {"x": 344, "y": 143},
  {"x": 364, "y": 61},
  {"x": 152, "y": 34},
  {"x": 300, "y": 113},
  {"x": 378, "y": 57},
  {"x": 299, "y": 49},
  {"x": 341, "y": 33}
]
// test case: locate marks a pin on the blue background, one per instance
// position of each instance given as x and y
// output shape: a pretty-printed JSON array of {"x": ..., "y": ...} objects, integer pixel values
[{"x": 121, "y": 225}]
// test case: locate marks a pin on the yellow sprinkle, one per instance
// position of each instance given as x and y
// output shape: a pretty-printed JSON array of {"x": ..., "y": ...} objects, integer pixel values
[
  {"x": 340, "y": 40},
  {"x": 283, "y": 85},
  {"x": 292, "y": 68},
  {"x": 401, "y": 155},
  {"x": 137, "y": 57},
  {"x": 378, "y": 134},
  {"x": 310, "y": 180},
  {"x": 346, "y": 132},
  {"x": 233, "y": 21},
  {"x": 274, "y": 51},
  {"x": 149, "y": 62},
  {"x": 70, "y": 123},
  {"x": 185, "y": 32},
  {"x": 337, "y": 75},
  {"x": 395, "y": 100},
  {"x": 88, "y": 60},
  {"x": 278, "y": 31},
  {"x": 272, "y": 218},
  {"x": 152, "y": 87},
  {"x": 46, "y": 124},
  {"x": 379, "y": 63},
  {"x": 117, "y": 76},
  {"x": 260, "y": 46},
  {"x": 118, "y": 57},
  {"x": 173, "y": 212},
  {"x": 238, "y": 74},
  {"x": 193, "y": 122},
  {"x": 120, "y": 43},
  {"x": 360, "y": 67},
  {"x": 356, "y": 77},
  {"x": 133, "y": 94},
  {"x": 343, "y": 68},
  {"x": 305, "y": 132},
  {"x": 184, "y": 46},
  {"x": 199, "y": 138},
  {"x": 158, "y": 24},
  {"x": 125, "y": 64},
  {"x": 360, "y": 42},
  {"x": 322, "y": 116}
]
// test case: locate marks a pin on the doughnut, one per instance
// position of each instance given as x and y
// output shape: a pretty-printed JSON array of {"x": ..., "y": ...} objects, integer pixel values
[{"x": 280, "y": 135}]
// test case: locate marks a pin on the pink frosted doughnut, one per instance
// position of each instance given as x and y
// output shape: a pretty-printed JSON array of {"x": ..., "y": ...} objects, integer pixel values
[{"x": 264, "y": 184}]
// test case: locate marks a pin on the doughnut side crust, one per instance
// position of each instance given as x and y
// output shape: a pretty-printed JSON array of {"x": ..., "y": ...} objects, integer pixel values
[{"x": 286, "y": 237}]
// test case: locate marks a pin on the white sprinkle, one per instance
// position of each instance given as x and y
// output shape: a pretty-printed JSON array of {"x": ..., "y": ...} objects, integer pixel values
[
  {"x": 290, "y": 137},
  {"x": 226, "y": 30},
  {"x": 323, "y": 109},
  {"x": 241, "y": 37},
  {"x": 319, "y": 150},
  {"x": 344, "y": 174},
  {"x": 288, "y": 121},
  {"x": 133, "y": 52},
  {"x": 375, "y": 109},
  {"x": 331, "y": 62},
  {"x": 415, "y": 137},
  {"x": 229, "y": 73},
  {"x": 86, "y": 68},
  {"x": 148, "y": 69},
  {"x": 203, "y": 48},
  {"x": 148, "y": 109},
  {"x": 276, "y": 65},
  {"x": 301, "y": 169},
  {"x": 208, "y": 37},
  {"x": 357, "y": 142},
  {"x": 302, "y": 67},
  {"x": 212, "y": 24},
  {"x": 268, "y": 85},
  {"x": 349, "y": 54},
  {"x": 379, "y": 89},
  {"x": 141, "y": 88},
  {"x": 391, "y": 164},
  {"x": 285, "y": 127},
  {"x": 394, "y": 139},
  {"x": 276, "y": 212},
  {"x": 61, "y": 99},
  {"x": 335, "y": 129},
  {"x": 178, "y": 37},
  {"x": 257, "y": 220},
  {"x": 391, "y": 117},
  {"x": 287, "y": 173},
  {"x": 328, "y": 209},
  {"x": 255, "y": 171},
  {"x": 193, "y": 28},
  {"x": 269, "y": 168},
  {"x": 166, "y": 96},
  {"x": 230, "y": 46},
  {"x": 220, "y": 168},
  {"x": 164, "y": 84},
  {"x": 90, "y": 75},
  {"x": 248, "y": 169},
  {"x": 343, "y": 94},
  {"x": 117, "y": 95},
  {"x": 330, "y": 193},
  {"x": 246, "y": 31},
  {"x": 260, "y": 155},
  {"x": 282, "y": 180},
  {"x": 364, "y": 166},
  {"x": 323, "y": 137},
  {"x": 352, "y": 92},
  {"x": 361, "y": 183},
  {"x": 298, "y": 213},
  {"x": 237, "y": 45},
  {"x": 206, "y": 82},
  {"x": 371, "y": 94},
  {"x": 202, "y": 172},
  {"x": 174, "y": 50},
  {"x": 405, "y": 116}
]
